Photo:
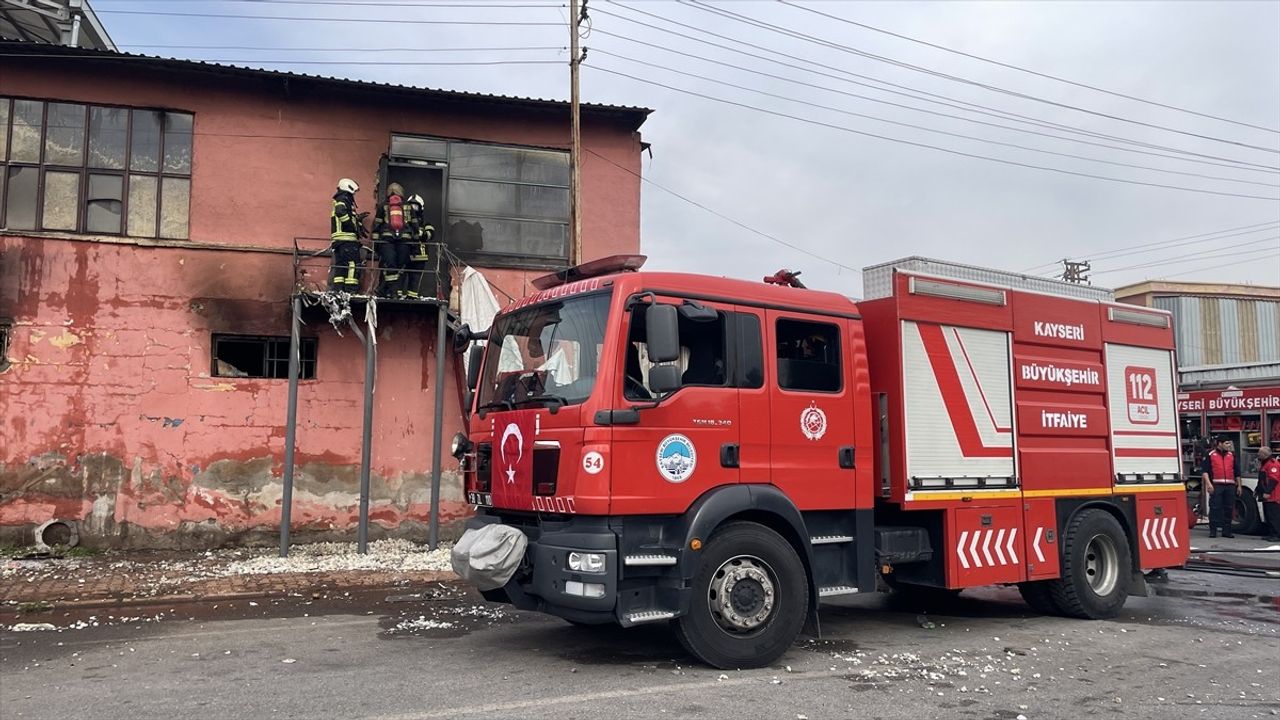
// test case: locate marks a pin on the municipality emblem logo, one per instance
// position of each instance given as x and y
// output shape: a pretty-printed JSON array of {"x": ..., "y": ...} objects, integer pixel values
[
  {"x": 676, "y": 458},
  {"x": 813, "y": 422}
]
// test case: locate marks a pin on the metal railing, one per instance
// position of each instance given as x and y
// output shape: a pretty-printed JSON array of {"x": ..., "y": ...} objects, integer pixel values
[{"x": 313, "y": 269}]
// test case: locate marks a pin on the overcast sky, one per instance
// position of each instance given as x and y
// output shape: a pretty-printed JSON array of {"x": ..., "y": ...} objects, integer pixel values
[{"x": 853, "y": 199}]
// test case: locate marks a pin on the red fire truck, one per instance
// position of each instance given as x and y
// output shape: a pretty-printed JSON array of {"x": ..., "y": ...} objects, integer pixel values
[{"x": 726, "y": 454}]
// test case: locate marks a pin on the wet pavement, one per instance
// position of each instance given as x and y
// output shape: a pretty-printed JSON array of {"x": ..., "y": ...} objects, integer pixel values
[{"x": 1203, "y": 646}]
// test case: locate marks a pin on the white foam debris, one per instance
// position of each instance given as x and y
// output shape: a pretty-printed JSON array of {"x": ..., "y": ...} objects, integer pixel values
[
  {"x": 32, "y": 627},
  {"x": 422, "y": 622},
  {"x": 329, "y": 557}
]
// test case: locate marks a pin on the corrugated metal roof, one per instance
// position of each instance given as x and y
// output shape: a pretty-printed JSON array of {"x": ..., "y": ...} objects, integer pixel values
[
  {"x": 1241, "y": 375},
  {"x": 13, "y": 47},
  {"x": 1213, "y": 331},
  {"x": 51, "y": 21}
]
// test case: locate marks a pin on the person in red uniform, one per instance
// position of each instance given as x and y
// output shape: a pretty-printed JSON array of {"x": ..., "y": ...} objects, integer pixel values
[
  {"x": 1269, "y": 491},
  {"x": 1220, "y": 477}
]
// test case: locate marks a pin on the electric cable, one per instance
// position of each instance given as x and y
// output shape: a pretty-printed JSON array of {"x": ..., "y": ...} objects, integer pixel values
[{"x": 1161, "y": 244}]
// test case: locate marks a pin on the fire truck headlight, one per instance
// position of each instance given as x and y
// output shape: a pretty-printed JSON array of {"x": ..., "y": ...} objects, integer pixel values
[
  {"x": 587, "y": 590},
  {"x": 460, "y": 446},
  {"x": 586, "y": 562}
]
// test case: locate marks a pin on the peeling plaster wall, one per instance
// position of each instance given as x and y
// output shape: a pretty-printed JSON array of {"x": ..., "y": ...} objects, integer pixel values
[{"x": 111, "y": 416}]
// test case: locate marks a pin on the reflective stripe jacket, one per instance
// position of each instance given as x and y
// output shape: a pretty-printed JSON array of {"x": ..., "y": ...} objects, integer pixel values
[{"x": 342, "y": 221}]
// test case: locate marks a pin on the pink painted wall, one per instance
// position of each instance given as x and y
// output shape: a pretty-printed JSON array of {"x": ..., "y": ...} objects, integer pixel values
[{"x": 110, "y": 416}]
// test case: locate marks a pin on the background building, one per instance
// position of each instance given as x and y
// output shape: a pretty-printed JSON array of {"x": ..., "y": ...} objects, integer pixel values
[
  {"x": 149, "y": 210},
  {"x": 1228, "y": 349}
]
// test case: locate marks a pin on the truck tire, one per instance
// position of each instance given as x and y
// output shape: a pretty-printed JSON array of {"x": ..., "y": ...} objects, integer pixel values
[
  {"x": 1244, "y": 516},
  {"x": 1039, "y": 596},
  {"x": 1096, "y": 565},
  {"x": 750, "y": 599}
]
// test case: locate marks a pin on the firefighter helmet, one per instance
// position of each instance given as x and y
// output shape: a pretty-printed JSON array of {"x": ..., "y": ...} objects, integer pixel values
[
  {"x": 348, "y": 185},
  {"x": 395, "y": 189},
  {"x": 416, "y": 200}
]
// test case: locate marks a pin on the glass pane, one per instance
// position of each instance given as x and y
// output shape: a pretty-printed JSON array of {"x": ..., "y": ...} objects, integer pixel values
[
  {"x": 20, "y": 208},
  {"x": 142, "y": 206},
  {"x": 509, "y": 237},
  {"x": 491, "y": 162},
  {"x": 145, "y": 148},
  {"x": 107, "y": 137},
  {"x": 28, "y": 115},
  {"x": 4, "y": 134},
  {"x": 103, "y": 206},
  {"x": 177, "y": 143},
  {"x": 64, "y": 134},
  {"x": 61, "y": 201},
  {"x": 175, "y": 198},
  {"x": 416, "y": 147},
  {"x": 519, "y": 201}
]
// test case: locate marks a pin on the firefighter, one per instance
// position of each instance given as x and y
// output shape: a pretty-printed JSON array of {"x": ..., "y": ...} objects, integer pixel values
[
  {"x": 1219, "y": 475},
  {"x": 1269, "y": 491},
  {"x": 345, "y": 229},
  {"x": 390, "y": 231},
  {"x": 417, "y": 258}
]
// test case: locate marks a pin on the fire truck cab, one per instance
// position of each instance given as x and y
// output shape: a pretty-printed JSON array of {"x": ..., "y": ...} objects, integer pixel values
[{"x": 724, "y": 454}]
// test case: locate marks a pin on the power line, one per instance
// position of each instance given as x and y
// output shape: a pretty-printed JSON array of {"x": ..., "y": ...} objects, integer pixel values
[
  {"x": 1175, "y": 242},
  {"x": 296, "y": 18},
  {"x": 919, "y": 127},
  {"x": 954, "y": 78},
  {"x": 1189, "y": 257},
  {"x": 1019, "y": 68},
  {"x": 721, "y": 215},
  {"x": 1235, "y": 263},
  {"x": 916, "y": 93},
  {"x": 926, "y": 145}
]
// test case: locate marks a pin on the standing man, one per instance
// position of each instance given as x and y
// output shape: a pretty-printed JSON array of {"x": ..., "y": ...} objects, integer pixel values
[
  {"x": 1220, "y": 476},
  {"x": 344, "y": 235},
  {"x": 1269, "y": 491},
  {"x": 422, "y": 234},
  {"x": 390, "y": 232}
]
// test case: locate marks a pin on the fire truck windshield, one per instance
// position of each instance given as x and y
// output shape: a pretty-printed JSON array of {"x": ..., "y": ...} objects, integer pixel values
[{"x": 547, "y": 354}]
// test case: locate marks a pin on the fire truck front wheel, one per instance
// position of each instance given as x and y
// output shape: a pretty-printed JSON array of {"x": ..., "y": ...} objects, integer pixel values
[
  {"x": 1096, "y": 565},
  {"x": 750, "y": 598}
]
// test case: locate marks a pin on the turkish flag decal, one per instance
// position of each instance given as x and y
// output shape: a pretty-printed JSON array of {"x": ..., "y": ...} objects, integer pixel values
[{"x": 512, "y": 480}]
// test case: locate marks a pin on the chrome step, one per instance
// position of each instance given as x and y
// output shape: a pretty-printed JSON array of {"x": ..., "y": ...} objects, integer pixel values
[
  {"x": 830, "y": 539},
  {"x": 649, "y": 560},
  {"x": 836, "y": 590},
  {"x": 649, "y": 616}
]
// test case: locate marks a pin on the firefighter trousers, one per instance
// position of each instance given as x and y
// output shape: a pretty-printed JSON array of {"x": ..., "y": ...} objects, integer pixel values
[
  {"x": 393, "y": 256},
  {"x": 345, "y": 274},
  {"x": 415, "y": 268},
  {"x": 1271, "y": 512},
  {"x": 1222, "y": 506}
]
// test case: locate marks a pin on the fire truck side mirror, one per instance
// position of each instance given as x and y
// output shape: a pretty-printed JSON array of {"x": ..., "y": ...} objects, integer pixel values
[
  {"x": 474, "y": 357},
  {"x": 664, "y": 378},
  {"x": 662, "y": 333}
]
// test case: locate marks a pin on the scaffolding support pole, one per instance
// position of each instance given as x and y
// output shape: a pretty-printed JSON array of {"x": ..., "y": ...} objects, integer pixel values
[
  {"x": 290, "y": 428},
  {"x": 437, "y": 432},
  {"x": 366, "y": 440}
]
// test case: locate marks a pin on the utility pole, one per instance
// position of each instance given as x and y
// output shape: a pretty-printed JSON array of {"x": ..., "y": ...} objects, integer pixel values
[
  {"x": 1075, "y": 272},
  {"x": 575, "y": 150}
]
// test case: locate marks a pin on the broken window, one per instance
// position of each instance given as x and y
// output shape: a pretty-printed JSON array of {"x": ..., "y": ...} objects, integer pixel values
[
  {"x": 138, "y": 161},
  {"x": 6, "y": 330},
  {"x": 258, "y": 356},
  {"x": 506, "y": 205},
  {"x": 808, "y": 356}
]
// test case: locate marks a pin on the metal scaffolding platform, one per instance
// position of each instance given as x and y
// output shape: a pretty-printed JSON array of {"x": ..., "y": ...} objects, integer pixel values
[{"x": 359, "y": 313}]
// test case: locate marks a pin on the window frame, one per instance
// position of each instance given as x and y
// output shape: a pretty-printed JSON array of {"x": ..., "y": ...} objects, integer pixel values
[
  {"x": 83, "y": 170},
  {"x": 839, "y": 356},
  {"x": 482, "y": 258},
  {"x": 305, "y": 344}
]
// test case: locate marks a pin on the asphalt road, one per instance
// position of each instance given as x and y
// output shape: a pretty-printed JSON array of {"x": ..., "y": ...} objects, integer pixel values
[{"x": 1208, "y": 648}]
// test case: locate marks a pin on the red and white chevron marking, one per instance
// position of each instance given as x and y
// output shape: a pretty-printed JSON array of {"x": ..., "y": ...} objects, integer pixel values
[
  {"x": 973, "y": 551},
  {"x": 1158, "y": 533}
]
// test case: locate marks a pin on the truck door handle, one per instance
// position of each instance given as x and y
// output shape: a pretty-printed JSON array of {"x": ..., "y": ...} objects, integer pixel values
[
  {"x": 846, "y": 457},
  {"x": 729, "y": 455}
]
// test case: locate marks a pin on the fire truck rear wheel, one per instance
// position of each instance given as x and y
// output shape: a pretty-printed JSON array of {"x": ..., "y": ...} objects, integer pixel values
[
  {"x": 750, "y": 598},
  {"x": 1096, "y": 565}
]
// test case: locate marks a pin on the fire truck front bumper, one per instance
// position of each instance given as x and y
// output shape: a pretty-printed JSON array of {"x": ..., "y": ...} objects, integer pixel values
[{"x": 570, "y": 569}]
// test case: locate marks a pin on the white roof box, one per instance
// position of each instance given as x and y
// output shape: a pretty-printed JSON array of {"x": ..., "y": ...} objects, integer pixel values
[{"x": 877, "y": 280}]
